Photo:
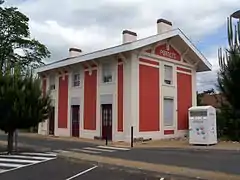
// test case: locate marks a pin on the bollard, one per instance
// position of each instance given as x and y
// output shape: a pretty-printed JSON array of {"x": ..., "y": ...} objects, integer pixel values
[{"x": 131, "y": 136}]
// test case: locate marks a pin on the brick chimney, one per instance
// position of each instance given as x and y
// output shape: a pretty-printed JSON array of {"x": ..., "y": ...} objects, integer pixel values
[
  {"x": 163, "y": 25},
  {"x": 73, "y": 52},
  {"x": 128, "y": 36}
]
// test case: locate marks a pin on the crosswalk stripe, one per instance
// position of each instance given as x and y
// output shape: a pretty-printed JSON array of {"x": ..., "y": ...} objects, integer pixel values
[
  {"x": 60, "y": 151},
  {"x": 98, "y": 149},
  {"x": 114, "y": 148},
  {"x": 2, "y": 170},
  {"x": 10, "y": 165},
  {"x": 39, "y": 154},
  {"x": 19, "y": 160},
  {"x": 25, "y": 157},
  {"x": 88, "y": 151}
]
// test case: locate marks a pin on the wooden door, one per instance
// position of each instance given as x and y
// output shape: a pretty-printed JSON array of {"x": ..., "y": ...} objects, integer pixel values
[
  {"x": 107, "y": 121},
  {"x": 51, "y": 121},
  {"x": 75, "y": 120}
]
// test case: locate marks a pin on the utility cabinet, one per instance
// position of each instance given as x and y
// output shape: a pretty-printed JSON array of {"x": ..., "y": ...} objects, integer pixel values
[{"x": 202, "y": 125}]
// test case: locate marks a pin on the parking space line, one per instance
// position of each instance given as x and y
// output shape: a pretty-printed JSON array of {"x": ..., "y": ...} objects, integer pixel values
[
  {"x": 114, "y": 148},
  {"x": 81, "y": 173},
  {"x": 98, "y": 149}
]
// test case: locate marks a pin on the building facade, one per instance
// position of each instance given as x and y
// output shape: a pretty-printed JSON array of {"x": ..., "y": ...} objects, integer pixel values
[{"x": 147, "y": 84}]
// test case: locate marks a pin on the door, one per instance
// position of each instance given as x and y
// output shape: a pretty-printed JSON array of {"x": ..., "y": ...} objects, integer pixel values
[
  {"x": 107, "y": 121},
  {"x": 75, "y": 120},
  {"x": 51, "y": 121}
]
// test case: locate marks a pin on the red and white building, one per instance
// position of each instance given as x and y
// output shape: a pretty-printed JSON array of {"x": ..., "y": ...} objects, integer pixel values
[{"x": 148, "y": 83}]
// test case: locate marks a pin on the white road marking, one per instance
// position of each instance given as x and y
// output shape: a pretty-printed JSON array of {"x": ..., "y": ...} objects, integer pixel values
[
  {"x": 39, "y": 154},
  {"x": 97, "y": 149},
  {"x": 10, "y": 165},
  {"x": 25, "y": 157},
  {"x": 60, "y": 151},
  {"x": 19, "y": 160},
  {"x": 81, "y": 173},
  {"x": 114, "y": 148},
  {"x": 87, "y": 151},
  {"x": 2, "y": 170}
]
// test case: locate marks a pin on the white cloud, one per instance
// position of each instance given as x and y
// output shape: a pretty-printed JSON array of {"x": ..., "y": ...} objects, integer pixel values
[{"x": 95, "y": 25}]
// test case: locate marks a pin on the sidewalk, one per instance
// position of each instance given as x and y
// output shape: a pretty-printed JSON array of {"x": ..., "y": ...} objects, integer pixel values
[
  {"x": 165, "y": 143},
  {"x": 22, "y": 147}
]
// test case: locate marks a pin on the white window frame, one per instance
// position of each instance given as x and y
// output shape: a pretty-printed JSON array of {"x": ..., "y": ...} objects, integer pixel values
[
  {"x": 106, "y": 75},
  {"x": 76, "y": 82},
  {"x": 168, "y": 80},
  {"x": 165, "y": 120},
  {"x": 52, "y": 82}
]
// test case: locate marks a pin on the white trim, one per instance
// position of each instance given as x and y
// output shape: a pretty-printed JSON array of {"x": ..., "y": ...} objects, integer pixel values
[
  {"x": 91, "y": 69},
  {"x": 126, "y": 47},
  {"x": 184, "y": 72},
  {"x": 165, "y": 60},
  {"x": 147, "y": 64}
]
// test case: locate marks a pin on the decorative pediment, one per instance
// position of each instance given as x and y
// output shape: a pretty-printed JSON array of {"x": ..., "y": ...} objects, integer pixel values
[{"x": 167, "y": 51}]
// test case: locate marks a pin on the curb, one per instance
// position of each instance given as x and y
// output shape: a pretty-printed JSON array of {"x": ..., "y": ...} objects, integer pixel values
[{"x": 159, "y": 168}]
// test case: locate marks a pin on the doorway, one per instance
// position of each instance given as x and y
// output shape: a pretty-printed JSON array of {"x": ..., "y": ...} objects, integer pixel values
[
  {"x": 51, "y": 121},
  {"x": 75, "y": 120},
  {"x": 107, "y": 121}
]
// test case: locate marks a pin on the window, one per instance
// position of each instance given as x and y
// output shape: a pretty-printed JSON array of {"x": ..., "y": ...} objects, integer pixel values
[
  {"x": 76, "y": 79},
  {"x": 52, "y": 82},
  {"x": 107, "y": 73},
  {"x": 168, "y": 74},
  {"x": 168, "y": 107}
]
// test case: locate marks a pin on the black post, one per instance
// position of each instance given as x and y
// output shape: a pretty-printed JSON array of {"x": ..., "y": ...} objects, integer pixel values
[
  {"x": 131, "y": 136},
  {"x": 107, "y": 134}
]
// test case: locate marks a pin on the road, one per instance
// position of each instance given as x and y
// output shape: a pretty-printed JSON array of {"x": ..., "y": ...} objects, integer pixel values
[
  {"x": 62, "y": 169},
  {"x": 213, "y": 160}
]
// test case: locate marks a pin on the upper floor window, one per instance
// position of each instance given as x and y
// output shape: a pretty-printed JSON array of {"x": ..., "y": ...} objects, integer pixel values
[
  {"x": 107, "y": 73},
  {"x": 52, "y": 82},
  {"x": 168, "y": 74},
  {"x": 76, "y": 79}
]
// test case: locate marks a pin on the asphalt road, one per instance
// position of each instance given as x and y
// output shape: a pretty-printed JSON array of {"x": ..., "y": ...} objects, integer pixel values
[
  {"x": 62, "y": 169},
  {"x": 213, "y": 160}
]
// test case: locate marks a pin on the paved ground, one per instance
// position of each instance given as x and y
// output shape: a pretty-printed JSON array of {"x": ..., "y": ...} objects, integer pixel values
[
  {"x": 213, "y": 160},
  {"x": 61, "y": 169}
]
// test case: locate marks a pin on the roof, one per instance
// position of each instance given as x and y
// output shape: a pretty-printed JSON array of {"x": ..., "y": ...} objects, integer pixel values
[
  {"x": 213, "y": 100},
  {"x": 127, "y": 47}
]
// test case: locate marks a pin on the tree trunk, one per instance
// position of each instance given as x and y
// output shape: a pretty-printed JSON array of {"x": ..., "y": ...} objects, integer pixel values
[{"x": 10, "y": 142}]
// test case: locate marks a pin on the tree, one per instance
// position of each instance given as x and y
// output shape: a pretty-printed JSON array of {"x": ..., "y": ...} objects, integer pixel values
[
  {"x": 229, "y": 80},
  {"x": 22, "y": 104},
  {"x": 16, "y": 46}
]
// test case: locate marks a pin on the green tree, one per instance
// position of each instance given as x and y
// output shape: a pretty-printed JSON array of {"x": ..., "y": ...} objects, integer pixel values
[
  {"x": 16, "y": 46},
  {"x": 22, "y": 104},
  {"x": 229, "y": 81}
]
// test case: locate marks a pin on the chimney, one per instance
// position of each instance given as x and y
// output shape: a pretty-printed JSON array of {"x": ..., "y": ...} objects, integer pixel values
[
  {"x": 74, "y": 52},
  {"x": 163, "y": 26},
  {"x": 128, "y": 36}
]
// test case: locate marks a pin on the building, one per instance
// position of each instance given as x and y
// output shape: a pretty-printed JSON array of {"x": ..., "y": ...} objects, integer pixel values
[{"x": 147, "y": 84}]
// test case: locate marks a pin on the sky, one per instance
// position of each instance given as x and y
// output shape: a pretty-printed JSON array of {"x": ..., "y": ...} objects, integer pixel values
[{"x": 96, "y": 24}]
